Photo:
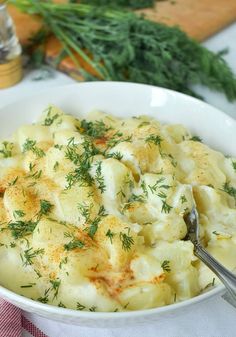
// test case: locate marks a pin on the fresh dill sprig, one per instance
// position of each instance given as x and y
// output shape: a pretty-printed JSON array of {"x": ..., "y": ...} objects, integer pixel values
[
  {"x": 30, "y": 145},
  {"x": 117, "y": 44}
]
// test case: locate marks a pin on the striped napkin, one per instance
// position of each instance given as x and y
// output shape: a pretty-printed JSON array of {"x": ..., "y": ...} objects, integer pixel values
[{"x": 12, "y": 322}]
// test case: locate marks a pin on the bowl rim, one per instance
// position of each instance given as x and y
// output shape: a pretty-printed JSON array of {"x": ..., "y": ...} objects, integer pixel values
[
  {"x": 12, "y": 296},
  {"x": 27, "y": 302}
]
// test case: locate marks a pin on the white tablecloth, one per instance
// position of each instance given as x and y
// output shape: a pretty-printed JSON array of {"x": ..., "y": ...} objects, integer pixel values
[{"x": 214, "y": 318}]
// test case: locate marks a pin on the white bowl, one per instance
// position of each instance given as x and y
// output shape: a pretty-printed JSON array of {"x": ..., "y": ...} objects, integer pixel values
[{"x": 122, "y": 99}]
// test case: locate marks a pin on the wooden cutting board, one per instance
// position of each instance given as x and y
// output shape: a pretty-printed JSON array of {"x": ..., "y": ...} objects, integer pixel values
[{"x": 198, "y": 18}]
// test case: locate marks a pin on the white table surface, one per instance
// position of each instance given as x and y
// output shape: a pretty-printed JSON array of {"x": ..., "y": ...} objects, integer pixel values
[{"x": 214, "y": 318}]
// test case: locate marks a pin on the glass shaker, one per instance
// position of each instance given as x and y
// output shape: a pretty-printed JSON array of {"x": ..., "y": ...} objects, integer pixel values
[{"x": 10, "y": 51}]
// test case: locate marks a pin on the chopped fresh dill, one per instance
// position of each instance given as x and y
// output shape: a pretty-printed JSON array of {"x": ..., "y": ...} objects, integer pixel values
[
  {"x": 121, "y": 193},
  {"x": 153, "y": 188},
  {"x": 230, "y": 190},
  {"x": 166, "y": 208},
  {"x": 82, "y": 161},
  {"x": 166, "y": 266},
  {"x": 35, "y": 175},
  {"x": 196, "y": 139},
  {"x": 20, "y": 229},
  {"x": 50, "y": 118},
  {"x": 45, "y": 207},
  {"x": 13, "y": 182},
  {"x": 93, "y": 226},
  {"x": 92, "y": 223},
  {"x": 138, "y": 198},
  {"x": 30, "y": 145},
  {"x": 55, "y": 286},
  {"x": 144, "y": 123},
  {"x": 99, "y": 178},
  {"x": 154, "y": 139},
  {"x": 18, "y": 213},
  {"x": 234, "y": 165},
  {"x": 30, "y": 254},
  {"x": 144, "y": 188},
  {"x": 63, "y": 261},
  {"x": 68, "y": 235},
  {"x": 93, "y": 308},
  {"x": 116, "y": 155},
  {"x": 31, "y": 167},
  {"x": 95, "y": 130},
  {"x": 126, "y": 240},
  {"x": 56, "y": 165},
  {"x": 44, "y": 299},
  {"x": 117, "y": 139},
  {"x": 183, "y": 199},
  {"x": 80, "y": 306},
  {"x": 173, "y": 160},
  {"x": 61, "y": 305},
  {"x": 162, "y": 195},
  {"x": 30, "y": 285},
  {"x": 110, "y": 234},
  {"x": 75, "y": 243},
  {"x": 85, "y": 211},
  {"x": 59, "y": 147}
]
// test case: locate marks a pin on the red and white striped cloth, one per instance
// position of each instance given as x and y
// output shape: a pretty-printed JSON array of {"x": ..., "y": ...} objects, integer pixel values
[{"x": 12, "y": 322}]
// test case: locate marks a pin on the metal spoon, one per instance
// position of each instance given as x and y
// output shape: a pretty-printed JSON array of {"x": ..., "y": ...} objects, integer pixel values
[{"x": 226, "y": 277}]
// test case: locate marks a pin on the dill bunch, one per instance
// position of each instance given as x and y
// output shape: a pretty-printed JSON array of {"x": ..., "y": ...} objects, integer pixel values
[
  {"x": 133, "y": 4},
  {"x": 120, "y": 45}
]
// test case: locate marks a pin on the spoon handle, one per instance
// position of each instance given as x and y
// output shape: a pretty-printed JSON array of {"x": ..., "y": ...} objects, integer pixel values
[{"x": 226, "y": 277}]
